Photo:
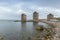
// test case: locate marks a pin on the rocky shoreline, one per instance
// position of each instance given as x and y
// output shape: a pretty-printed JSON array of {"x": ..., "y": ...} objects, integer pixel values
[{"x": 52, "y": 33}]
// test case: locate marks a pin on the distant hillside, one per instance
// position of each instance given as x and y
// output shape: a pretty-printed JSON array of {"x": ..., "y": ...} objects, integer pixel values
[
  {"x": 58, "y": 18},
  {"x": 26, "y": 21}
]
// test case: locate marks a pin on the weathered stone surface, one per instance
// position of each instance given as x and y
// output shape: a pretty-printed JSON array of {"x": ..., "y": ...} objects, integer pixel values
[
  {"x": 49, "y": 16},
  {"x": 23, "y": 18},
  {"x": 35, "y": 17}
]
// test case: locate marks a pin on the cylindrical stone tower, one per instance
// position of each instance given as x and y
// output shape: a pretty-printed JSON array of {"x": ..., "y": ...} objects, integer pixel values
[
  {"x": 23, "y": 18},
  {"x": 35, "y": 17},
  {"x": 49, "y": 16}
]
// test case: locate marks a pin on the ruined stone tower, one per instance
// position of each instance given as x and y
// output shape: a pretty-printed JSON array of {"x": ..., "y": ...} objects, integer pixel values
[
  {"x": 23, "y": 18},
  {"x": 49, "y": 16},
  {"x": 35, "y": 17}
]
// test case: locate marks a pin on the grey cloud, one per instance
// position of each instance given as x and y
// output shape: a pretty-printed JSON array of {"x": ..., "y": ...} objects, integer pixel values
[{"x": 14, "y": 11}]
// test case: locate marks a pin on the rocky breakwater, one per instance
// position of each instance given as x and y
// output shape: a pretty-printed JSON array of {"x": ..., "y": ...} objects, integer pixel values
[
  {"x": 57, "y": 28},
  {"x": 44, "y": 33},
  {"x": 57, "y": 36}
]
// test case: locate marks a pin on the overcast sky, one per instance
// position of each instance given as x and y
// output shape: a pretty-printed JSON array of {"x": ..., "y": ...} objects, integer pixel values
[{"x": 12, "y": 9}]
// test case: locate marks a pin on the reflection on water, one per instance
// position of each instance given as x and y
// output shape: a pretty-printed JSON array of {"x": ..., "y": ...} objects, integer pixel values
[
  {"x": 24, "y": 31},
  {"x": 35, "y": 24},
  {"x": 18, "y": 30}
]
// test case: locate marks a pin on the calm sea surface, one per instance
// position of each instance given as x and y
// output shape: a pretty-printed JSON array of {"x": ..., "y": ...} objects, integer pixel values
[{"x": 18, "y": 31}]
